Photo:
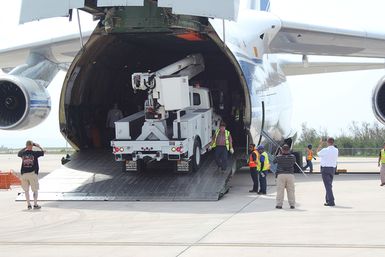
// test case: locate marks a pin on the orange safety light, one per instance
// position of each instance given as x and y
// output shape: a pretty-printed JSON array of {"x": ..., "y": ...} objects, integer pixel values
[{"x": 191, "y": 36}]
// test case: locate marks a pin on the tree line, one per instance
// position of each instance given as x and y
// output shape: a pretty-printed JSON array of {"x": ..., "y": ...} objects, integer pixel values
[{"x": 366, "y": 138}]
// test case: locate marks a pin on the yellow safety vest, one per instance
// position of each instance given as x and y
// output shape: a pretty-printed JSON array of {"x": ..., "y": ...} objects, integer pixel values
[
  {"x": 227, "y": 138},
  {"x": 266, "y": 164},
  {"x": 382, "y": 156}
]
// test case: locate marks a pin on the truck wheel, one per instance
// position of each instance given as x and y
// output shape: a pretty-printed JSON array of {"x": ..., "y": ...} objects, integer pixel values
[
  {"x": 196, "y": 158},
  {"x": 140, "y": 166}
]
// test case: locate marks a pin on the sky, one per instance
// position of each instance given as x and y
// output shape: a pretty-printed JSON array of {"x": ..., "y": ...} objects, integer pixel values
[
  {"x": 333, "y": 101},
  {"x": 326, "y": 101}
]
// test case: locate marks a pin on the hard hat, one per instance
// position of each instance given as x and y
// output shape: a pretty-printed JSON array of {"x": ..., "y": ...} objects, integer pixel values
[
  {"x": 309, "y": 146},
  {"x": 260, "y": 147}
]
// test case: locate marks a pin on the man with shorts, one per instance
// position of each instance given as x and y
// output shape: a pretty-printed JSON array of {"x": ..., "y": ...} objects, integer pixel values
[{"x": 29, "y": 172}]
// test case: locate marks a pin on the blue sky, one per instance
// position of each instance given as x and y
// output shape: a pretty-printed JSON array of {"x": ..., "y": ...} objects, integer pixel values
[{"x": 328, "y": 101}]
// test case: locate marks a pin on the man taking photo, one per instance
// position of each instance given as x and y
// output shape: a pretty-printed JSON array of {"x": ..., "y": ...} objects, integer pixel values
[{"x": 29, "y": 171}]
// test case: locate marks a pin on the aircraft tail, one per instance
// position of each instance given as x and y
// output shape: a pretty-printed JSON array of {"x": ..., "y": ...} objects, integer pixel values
[{"x": 264, "y": 5}]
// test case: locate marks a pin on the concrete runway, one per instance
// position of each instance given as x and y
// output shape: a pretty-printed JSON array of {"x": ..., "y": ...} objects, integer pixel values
[{"x": 240, "y": 224}]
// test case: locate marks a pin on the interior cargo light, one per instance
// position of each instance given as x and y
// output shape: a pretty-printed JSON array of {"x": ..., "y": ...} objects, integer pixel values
[{"x": 191, "y": 36}]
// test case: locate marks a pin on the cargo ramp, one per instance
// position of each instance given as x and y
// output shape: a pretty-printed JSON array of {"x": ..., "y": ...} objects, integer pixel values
[{"x": 96, "y": 176}]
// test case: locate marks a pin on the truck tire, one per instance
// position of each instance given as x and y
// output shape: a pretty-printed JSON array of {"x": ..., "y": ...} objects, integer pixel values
[
  {"x": 140, "y": 166},
  {"x": 196, "y": 159}
]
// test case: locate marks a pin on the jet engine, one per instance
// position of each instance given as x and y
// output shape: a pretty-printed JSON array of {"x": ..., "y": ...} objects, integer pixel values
[
  {"x": 378, "y": 101},
  {"x": 23, "y": 103}
]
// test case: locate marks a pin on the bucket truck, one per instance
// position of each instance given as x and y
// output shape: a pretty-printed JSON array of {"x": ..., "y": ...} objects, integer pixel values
[{"x": 177, "y": 121}]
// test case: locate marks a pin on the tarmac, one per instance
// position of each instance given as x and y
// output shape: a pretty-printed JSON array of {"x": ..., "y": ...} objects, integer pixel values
[{"x": 240, "y": 224}]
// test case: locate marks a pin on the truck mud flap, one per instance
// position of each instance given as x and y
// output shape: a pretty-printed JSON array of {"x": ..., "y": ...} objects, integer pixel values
[
  {"x": 96, "y": 176},
  {"x": 130, "y": 166}
]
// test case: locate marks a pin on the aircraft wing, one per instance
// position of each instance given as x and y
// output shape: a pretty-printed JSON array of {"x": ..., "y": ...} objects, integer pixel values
[
  {"x": 311, "y": 39},
  {"x": 58, "y": 50},
  {"x": 303, "y": 64}
]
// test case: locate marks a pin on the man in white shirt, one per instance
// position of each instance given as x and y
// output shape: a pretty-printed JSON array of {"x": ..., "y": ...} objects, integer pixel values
[{"x": 328, "y": 163}]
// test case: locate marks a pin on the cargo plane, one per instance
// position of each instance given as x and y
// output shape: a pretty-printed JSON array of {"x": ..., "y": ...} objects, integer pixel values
[{"x": 239, "y": 41}]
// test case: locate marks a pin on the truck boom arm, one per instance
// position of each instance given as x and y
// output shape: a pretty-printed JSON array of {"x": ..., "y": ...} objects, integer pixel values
[
  {"x": 185, "y": 67},
  {"x": 190, "y": 66}
]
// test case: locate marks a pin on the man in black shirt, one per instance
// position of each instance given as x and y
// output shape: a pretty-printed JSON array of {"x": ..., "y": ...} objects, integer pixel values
[
  {"x": 285, "y": 177},
  {"x": 29, "y": 171}
]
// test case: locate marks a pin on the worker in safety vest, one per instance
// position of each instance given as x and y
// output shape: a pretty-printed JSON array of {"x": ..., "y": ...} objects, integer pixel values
[
  {"x": 381, "y": 161},
  {"x": 253, "y": 163},
  {"x": 262, "y": 168},
  {"x": 309, "y": 158},
  {"x": 222, "y": 143}
]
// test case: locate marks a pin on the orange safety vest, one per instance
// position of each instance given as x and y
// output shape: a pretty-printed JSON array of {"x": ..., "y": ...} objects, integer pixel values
[
  {"x": 309, "y": 155},
  {"x": 252, "y": 163}
]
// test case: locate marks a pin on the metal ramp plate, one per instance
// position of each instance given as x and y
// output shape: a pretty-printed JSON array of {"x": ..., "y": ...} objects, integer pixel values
[{"x": 96, "y": 176}]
